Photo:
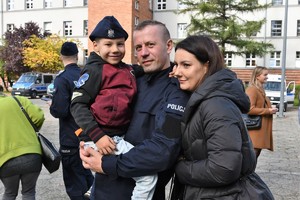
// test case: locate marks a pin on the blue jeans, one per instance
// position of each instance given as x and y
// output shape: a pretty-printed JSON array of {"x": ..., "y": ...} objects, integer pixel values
[
  {"x": 144, "y": 185},
  {"x": 25, "y": 168}
]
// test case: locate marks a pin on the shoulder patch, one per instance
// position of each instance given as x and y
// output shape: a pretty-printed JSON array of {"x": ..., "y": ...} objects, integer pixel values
[
  {"x": 76, "y": 94},
  {"x": 81, "y": 81}
]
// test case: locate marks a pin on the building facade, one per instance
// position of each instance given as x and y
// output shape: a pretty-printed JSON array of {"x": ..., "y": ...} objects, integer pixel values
[
  {"x": 77, "y": 18},
  {"x": 74, "y": 19},
  {"x": 272, "y": 31}
]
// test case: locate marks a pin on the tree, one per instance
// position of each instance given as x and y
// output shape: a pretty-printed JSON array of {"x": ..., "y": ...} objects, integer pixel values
[
  {"x": 43, "y": 54},
  {"x": 223, "y": 21},
  {"x": 11, "y": 51}
]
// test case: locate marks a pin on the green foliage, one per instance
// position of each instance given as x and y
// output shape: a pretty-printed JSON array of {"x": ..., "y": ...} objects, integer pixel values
[
  {"x": 297, "y": 93},
  {"x": 43, "y": 54},
  {"x": 224, "y": 21}
]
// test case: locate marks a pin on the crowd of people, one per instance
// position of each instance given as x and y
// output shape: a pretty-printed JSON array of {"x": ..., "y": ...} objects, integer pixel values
[{"x": 146, "y": 124}]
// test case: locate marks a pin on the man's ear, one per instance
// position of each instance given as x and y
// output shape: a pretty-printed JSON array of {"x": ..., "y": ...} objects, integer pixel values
[{"x": 169, "y": 46}]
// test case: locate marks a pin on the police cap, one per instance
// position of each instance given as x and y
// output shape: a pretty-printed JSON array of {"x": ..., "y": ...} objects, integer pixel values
[
  {"x": 110, "y": 28},
  {"x": 69, "y": 49}
]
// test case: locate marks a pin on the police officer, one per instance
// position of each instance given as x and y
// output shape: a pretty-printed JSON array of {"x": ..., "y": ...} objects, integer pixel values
[
  {"x": 155, "y": 126},
  {"x": 77, "y": 179}
]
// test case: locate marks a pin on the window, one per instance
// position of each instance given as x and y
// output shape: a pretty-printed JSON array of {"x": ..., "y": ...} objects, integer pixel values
[
  {"x": 67, "y": 28},
  {"x": 298, "y": 27},
  {"x": 181, "y": 30},
  {"x": 250, "y": 60},
  {"x": 161, "y": 5},
  {"x": 10, "y": 4},
  {"x": 29, "y": 4},
  {"x": 150, "y": 4},
  {"x": 10, "y": 27},
  {"x": 48, "y": 3},
  {"x": 276, "y": 2},
  {"x": 276, "y": 26},
  {"x": 136, "y": 4},
  {"x": 48, "y": 27},
  {"x": 67, "y": 3},
  {"x": 136, "y": 21},
  {"x": 275, "y": 59},
  {"x": 85, "y": 51},
  {"x": 85, "y": 2},
  {"x": 298, "y": 2},
  {"x": 85, "y": 27},
  {"x": 228, "y": 59},
  {"x": 297, "y": 58}
]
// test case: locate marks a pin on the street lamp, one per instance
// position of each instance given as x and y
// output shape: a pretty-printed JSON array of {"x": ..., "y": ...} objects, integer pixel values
[{"x": 282, "y": 89}]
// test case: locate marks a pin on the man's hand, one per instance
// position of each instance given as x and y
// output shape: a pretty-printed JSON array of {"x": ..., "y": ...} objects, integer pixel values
[
  {"x": 106, "y": 145},
  {"x": 91, "y": 159}
]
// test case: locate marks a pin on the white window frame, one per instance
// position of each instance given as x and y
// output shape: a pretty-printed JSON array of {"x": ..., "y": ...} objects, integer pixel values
[
  {"x": 48, "y": 27},
  {"x": 161, "y": 4},
  {"x": 181, "y": 30},
  {"x": 150, "y": 4},
  {"x": 68, "y": 28},
  {"x": 298, "y": 27},
  {"x": 297, "y": 62},
  {"x": 85, "y": 27},
  {"x": 228, "y": 58},
  {"x": 10, "y": 5},
  {"x": 275, "y": 59},
  {"x": 276, "y": 28},
  {"x": 10, "y": 27},
  {"x": 85, "y": 55},
  {"x": 136, "y": 21},
  {"x": 137, "y": 4},
  {"x": 250, "y": 60},
  {"x": 67, "y": 3},
  {"x": 29, "y": 4},
  {"x": 48, "y": 3}
]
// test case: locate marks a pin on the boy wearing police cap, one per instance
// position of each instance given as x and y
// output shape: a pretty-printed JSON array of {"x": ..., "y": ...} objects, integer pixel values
[
  {"x": 103, "y": 97},
  {"x": 77, "y": 179}
]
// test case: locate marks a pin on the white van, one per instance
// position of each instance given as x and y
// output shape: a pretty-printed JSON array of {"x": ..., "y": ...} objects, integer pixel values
[
  {"x": 32, "y": 84},
  {"x": 273, "y": 87}
]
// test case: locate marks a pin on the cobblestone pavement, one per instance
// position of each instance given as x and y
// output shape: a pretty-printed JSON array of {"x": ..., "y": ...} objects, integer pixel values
[{"x": 279, "y": 169}]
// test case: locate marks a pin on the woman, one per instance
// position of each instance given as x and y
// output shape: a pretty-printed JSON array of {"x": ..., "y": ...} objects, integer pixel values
[
  {"x": 260, "y": 105},
  {"x": 20, "y": 151},
  {"x": 218, "y": 160}
]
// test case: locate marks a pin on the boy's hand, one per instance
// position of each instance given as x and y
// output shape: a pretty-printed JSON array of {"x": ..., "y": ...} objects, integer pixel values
[{"x": 106, "y": 145}]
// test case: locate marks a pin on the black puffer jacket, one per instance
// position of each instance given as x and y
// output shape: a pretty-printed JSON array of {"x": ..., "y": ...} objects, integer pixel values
[{"x": 212, "y": 143}]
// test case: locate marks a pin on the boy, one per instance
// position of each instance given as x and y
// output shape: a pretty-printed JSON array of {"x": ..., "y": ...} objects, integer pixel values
[{"x": 103, "y": 97}]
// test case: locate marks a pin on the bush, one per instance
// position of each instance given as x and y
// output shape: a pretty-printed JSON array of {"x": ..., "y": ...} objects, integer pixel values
[{"x": 297, "y": 93}]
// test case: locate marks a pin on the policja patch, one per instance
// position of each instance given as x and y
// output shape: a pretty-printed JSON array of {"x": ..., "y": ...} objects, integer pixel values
[{"x": 81, "y": 81}]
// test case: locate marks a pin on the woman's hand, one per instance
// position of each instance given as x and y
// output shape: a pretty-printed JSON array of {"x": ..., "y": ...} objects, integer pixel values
[{"x": 273, "y": 110}]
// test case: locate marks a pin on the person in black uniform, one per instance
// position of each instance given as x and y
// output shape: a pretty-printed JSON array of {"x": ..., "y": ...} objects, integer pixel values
[
  {"x": 77, "y": 179},
  {"x": 154, "y": 129}
]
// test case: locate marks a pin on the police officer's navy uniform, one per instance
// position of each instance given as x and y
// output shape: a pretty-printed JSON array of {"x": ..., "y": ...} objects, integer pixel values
[
  {"x": 77, "y": 179},
  {"x": 154, "y": 131}
]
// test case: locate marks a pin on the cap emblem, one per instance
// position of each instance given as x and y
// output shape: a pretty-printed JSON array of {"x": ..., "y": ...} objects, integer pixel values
[{"x": 110, "y": 33}]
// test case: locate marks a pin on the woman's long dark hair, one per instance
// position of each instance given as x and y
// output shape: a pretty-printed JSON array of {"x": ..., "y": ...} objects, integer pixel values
[{"x": 205, "y": 50}]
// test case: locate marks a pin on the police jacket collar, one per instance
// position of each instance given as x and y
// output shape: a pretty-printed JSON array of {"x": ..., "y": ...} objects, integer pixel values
[{"x": 156, "y": 75}]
